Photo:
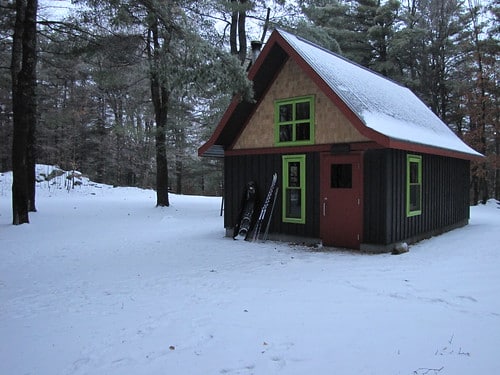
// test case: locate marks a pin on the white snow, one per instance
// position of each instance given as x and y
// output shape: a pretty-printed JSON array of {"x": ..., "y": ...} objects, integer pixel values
[
  {"x": 381, "y": 104},
  {"x": 102, "y": 282}
]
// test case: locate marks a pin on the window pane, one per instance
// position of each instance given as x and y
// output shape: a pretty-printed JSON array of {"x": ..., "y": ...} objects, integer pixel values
[
  {"x": 294, "y": 189},
  {"x": 299, "y": 114},
  {"x": 286, "y": 112},
  {"x": 414, "y": 173},
  {"x": 302, "y": 132},
  {"x": 413, "y": 185},
  {"x": 341, "y": 176},
  {"x": 415, "y": 198},
  {"x": 294, "y": 174},
  {"x": 293, "y": 203},
  {"x": 302, "y": 111},
  {"x": 286, "y": 133}
]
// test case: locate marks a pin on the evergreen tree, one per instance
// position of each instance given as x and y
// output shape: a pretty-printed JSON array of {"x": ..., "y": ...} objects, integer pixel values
[
  {"x": 380, "y": 36},
  {"x": 7, "y": 20},
  {"x": 23, "y": 72},
  {"x": 333, "y": 26},
  {"x": 477, "y": 97},
  {"x": 361, "y": 29},
  {"x": 179, "y": 61}
]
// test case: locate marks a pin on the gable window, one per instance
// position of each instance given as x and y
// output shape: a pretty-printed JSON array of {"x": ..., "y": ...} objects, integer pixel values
[
  {"x": 413, "y": 185},
  {"x": 294, "y": 121},
  {"x": 294, "y": 189}
]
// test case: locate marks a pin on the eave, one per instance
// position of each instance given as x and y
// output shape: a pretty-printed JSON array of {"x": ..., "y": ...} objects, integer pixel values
[{"x": 272, "y": 58}]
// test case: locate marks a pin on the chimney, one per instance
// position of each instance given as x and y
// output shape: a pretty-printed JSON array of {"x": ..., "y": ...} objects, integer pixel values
[{"x": 256, "y": 46}]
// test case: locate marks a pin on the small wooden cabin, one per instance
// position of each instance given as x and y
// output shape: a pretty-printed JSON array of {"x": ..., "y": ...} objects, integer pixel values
[{"x": 362, "y": 163}]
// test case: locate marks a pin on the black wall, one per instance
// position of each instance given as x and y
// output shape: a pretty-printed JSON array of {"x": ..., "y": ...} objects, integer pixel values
[
  {"x": 239, "y": 170},
  {"x": 445, "y": 202},
  {"x": 445, "y": 184}
]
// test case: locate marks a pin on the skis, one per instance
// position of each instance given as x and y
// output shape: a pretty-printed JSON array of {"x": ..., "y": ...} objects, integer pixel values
[
  {"x": 270, "y": 214},
  {"x": 242, "y": 228},
  {"x": 247, "y": 209},
  {"x": 260, "y": 220}
]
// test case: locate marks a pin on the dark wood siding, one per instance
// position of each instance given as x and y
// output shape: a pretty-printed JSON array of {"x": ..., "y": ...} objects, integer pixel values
[
  {"x": 239, "y": 170},
  {"x": 376, "y": 191},
  {"x": 445, "y": 183}
]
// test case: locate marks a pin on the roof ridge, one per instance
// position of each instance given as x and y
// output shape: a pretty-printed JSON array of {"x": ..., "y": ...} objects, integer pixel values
[{"x": 379, "y": 108}]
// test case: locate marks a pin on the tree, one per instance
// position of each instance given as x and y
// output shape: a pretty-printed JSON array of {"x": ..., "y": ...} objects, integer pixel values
[
  {"x": 157, "y": 47},
  {"x": 238, "y": 35},
  {"x": 179, "y": 61},
  {"x": 332, "y": 25},
  {"x": 7, "y": 20},
  {"x": 23, "y": 69},
  {"x": 494, "y": 36},
  {"x": 478, "y": 97},
  {"x": 362, "y": 29},
  {"x": 380, "y": 35}
]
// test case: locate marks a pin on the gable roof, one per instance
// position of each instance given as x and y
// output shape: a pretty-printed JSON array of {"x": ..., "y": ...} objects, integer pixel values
[{"x": 380, "y": 109}]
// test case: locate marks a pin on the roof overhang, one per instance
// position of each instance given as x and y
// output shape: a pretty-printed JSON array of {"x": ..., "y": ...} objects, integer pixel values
[
  {"x": 263, "y": 72},
  {"x": 273, "y": 57}
]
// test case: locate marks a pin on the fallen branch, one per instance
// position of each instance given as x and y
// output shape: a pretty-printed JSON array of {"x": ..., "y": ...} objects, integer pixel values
[{"x": 424, "y": 370}]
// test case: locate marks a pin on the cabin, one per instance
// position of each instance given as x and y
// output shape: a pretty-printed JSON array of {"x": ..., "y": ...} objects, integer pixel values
[{"x": 362, "y": 163}]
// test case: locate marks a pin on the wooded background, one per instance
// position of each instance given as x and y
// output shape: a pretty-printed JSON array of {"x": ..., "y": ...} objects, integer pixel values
[{"x": 118, "y": 80}]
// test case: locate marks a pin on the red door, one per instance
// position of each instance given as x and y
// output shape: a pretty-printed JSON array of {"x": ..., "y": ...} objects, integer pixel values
[{"x": 341, "y": 222}]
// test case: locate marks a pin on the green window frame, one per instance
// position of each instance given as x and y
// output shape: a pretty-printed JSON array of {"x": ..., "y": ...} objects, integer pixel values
[
  {"x": 294, "y": 121},
  {"x": 294, "y": 189},
  {"x": 413, "y": 185}
]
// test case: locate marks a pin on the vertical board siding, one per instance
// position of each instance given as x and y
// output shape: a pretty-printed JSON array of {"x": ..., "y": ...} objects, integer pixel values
[
  {"x": 445, "y": 184},
  {"x": 239, "y": 170},
  {"x": 375, "y": 201}
]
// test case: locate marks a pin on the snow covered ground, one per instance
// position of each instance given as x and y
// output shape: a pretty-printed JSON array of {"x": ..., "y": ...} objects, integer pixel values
[{"x": 102, "y": 282}]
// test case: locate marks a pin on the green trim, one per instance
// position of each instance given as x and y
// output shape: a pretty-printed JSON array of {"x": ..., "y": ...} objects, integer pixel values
[
  {"x": 288, "y": 162},
  {"x": 293, "y": 123},
  {"x": 413, "y": 185}
]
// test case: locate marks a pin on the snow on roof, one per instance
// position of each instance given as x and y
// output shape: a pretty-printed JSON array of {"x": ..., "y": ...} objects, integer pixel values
[{"x": 381, "y": 104}]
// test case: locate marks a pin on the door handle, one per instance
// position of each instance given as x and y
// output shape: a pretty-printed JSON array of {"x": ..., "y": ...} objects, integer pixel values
[{"x": 324, "y": 206}]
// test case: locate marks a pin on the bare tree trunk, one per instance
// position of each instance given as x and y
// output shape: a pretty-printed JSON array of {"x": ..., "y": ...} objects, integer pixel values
[
  {"x": 242, "y": 35},
  {"x": 178, "y": 173},
  {"x": 497, "y": 167},
  {"x": 237, "y": 32},
  {"x": 30, "y": 61},
  {"x": 266, "y": 25},
  {"x": 23, "y": 69},
  {"x": 481, "y": 117},
  {"x": 19, "y": 185},
  {"x": 233, "y": 31},
  {"x": 31, "y": 160},
  {"x": 160, "y": 97}
]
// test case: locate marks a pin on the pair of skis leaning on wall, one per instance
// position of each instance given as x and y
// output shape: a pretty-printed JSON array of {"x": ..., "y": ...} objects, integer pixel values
[{"x": 248, "y": 205}]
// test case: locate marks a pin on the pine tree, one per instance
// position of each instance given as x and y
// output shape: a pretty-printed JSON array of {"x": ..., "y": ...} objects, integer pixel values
[
  {"x": 477, "y": 97},
  {"x": 380, "y": 36},
  {"x": 179, "y": 61},
  {"x": 361, "y": 29},
  {"x": 7, "y": 20},
  {"x": 23, "y": 71},
  {"x": 333, "y": 25}
]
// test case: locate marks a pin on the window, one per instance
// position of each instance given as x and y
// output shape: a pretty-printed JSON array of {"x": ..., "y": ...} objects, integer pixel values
[
  {"x": 294, "y": 189},
  {"x": 341, "y": 176},
  {"x": 294, "y": 121},
  {"x": 413, "y": 185}
]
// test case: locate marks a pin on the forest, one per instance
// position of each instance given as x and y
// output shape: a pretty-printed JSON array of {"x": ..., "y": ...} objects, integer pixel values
[{"x": 126, "y": 91}]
